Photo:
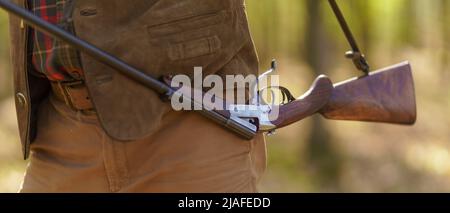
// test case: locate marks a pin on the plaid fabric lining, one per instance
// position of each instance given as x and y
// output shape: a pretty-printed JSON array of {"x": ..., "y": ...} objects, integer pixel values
[{"x": 56, "y": 60}]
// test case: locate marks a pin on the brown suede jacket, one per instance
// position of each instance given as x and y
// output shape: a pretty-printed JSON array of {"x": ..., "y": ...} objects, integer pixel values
[{"x": 159, "y": 37}]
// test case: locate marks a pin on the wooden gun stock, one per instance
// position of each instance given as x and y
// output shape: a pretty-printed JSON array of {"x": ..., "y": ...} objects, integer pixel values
[
  {"x": 306, "y": 105},
  {"x": 384, "y": 96}
]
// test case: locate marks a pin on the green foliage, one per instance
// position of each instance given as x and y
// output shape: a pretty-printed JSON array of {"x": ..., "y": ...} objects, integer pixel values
[{"x": 5, "y": 74}]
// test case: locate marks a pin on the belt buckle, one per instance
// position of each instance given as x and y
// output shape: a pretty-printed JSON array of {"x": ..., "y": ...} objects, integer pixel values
[{"x": 63, "y": 87}]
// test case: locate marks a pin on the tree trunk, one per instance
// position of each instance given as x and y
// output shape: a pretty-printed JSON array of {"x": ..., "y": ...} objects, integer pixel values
[{"x": 321, "y": 154}]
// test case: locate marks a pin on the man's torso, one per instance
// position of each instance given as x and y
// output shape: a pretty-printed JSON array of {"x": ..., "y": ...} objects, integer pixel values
[{"x": 159, "y": 37}]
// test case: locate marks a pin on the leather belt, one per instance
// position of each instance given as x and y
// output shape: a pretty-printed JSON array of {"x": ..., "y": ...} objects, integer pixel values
[{"x": 73, "y": 94}]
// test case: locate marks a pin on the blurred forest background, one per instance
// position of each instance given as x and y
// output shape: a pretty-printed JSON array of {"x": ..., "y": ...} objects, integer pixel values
[{"x": 318, "y": 155}]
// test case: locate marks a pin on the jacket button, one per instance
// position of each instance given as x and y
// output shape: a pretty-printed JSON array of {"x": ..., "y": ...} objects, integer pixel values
[{"x": 21, "y": 99}]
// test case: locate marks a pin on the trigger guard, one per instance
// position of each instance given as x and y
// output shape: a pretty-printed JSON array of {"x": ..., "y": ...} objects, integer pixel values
[{"x": 272, "y": 94}]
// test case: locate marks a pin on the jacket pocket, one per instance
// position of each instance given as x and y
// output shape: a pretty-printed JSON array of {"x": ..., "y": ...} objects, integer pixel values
[
  {"x": 186, "y": 24},
  {"x": 188, "y": 38},
  {"x": 194, "y": 48}
]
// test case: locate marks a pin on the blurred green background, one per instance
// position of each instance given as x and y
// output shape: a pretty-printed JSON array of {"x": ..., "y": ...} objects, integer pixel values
[{"x": 318, "y": 155}]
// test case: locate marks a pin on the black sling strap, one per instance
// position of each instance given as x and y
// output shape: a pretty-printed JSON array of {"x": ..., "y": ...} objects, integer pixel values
[{"x": 355, "y": 54}]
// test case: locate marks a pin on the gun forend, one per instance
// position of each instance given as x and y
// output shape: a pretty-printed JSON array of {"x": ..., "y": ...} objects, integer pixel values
[{"x": 386, "y": 96}]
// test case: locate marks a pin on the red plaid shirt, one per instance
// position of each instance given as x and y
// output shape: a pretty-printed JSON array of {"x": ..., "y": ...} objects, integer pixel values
[{"x": 50, "y": 57}]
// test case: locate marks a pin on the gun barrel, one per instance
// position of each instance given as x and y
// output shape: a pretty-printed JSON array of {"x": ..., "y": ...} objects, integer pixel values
[{"x": 386, "y": 96}]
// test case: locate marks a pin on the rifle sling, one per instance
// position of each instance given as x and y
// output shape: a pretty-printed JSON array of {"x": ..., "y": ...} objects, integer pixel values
[{"x": 356, "y": 55}]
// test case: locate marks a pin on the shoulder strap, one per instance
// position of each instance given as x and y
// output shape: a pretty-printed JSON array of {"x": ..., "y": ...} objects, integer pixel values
[{"x": 355, "y": 54}]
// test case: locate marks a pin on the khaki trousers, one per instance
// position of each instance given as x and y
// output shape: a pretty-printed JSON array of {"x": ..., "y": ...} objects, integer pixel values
[{"x": 188, "y": 154}]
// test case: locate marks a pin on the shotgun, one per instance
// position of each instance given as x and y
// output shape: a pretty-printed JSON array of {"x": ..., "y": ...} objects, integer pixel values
[
  {"x": 385, "y": 96},
  {"x": 382, "y": 96}
]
